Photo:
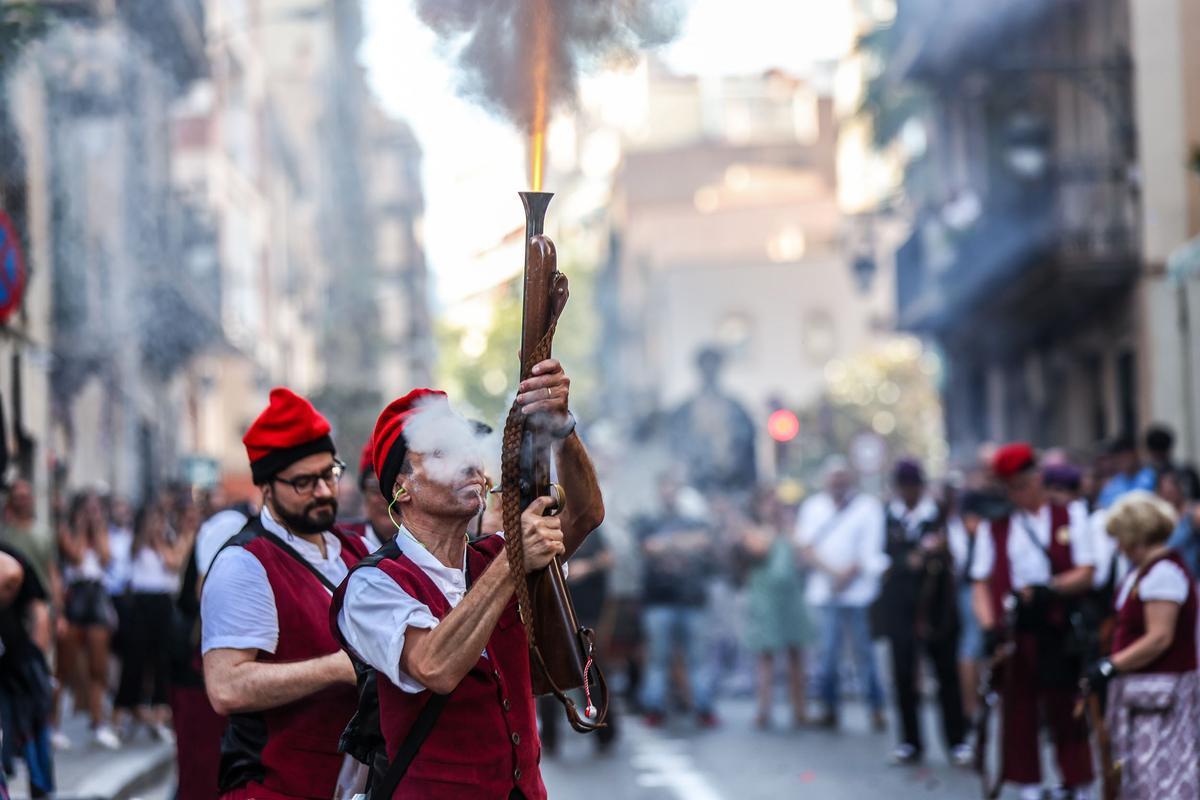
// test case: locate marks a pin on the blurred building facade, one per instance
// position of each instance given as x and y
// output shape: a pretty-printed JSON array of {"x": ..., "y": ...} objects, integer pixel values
[
  {"x": 315, "y": 199},
  {"x": 727, "y": 233},
  {"x": 1166, "y": 47},
  {"x": 213, "y": 205},
  {"x": 112, "y": 316},
  {"x": 1021, "y": 185}
]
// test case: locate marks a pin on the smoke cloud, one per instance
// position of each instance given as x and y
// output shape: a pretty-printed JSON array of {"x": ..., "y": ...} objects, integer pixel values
[
  {"x": 494, "y": 42},
  {"x": 450, "y": 443}
]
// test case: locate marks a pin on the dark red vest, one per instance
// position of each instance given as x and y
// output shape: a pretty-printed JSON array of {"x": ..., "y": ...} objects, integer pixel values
[
  {"x": 292, "y": 751},
  {"x": 356, "y": 527},
  {"x": 485, "y": 743},
  {"x": 1131, "y": 626},
  {"x": 1001, "y": 581}
]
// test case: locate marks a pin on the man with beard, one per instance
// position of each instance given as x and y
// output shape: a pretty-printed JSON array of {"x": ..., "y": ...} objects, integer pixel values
[{"x": 270, "y": 661}]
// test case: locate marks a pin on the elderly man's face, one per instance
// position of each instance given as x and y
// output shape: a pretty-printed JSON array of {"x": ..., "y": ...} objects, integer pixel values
[{"x": 434, "y": 487}]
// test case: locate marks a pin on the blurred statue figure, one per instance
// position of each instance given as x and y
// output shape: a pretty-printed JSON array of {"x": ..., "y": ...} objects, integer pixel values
[{"x": 713, "y": 435}]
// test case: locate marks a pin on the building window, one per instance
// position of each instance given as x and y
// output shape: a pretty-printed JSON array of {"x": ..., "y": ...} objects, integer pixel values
[
  {"x": 1127, "y": 389},
  {"x": 1093, "y": 376}
]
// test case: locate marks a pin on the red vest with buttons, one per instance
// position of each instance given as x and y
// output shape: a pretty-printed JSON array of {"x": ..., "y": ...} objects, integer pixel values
[
  {"x": 1131, "y": 626},
  {"x": 292, "y": 751},
  {"x": 485, "y": 742},
  {"x": 1001, "y": 580}
]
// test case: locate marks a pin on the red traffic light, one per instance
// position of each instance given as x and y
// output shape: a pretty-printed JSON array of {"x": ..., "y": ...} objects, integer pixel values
[{"x": 783, "y": 425}]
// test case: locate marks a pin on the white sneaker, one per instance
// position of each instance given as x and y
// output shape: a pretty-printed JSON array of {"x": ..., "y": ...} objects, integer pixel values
[
  {"x": 164, "y": 733},
  {"x": 1032, "y": 791},
  {"x": 1084, "y": 793},
  {"x": 963, "y": 755},
  {"x": 106, "y": 737},
  {"x": 60, "y": 741}
]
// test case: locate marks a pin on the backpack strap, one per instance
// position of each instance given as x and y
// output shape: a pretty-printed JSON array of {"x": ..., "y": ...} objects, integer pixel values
[{"x": 417, "y": 735}]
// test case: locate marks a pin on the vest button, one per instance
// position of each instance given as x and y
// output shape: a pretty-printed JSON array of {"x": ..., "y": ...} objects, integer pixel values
[
  {"x": 516, "y": 737},
  {"x": 517, "y": 774},
  {"x": 507, "y": 705}
]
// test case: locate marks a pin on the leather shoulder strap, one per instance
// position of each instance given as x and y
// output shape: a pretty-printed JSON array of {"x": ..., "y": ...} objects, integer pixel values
[
  {"x": 417, "y": 734},
  {"x": 254, "y": 530}
]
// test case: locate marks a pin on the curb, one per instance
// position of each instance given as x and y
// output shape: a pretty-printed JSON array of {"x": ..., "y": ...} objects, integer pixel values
[
  {"x": 157, "y": 769},
  {"x": 125, "y": 781}
]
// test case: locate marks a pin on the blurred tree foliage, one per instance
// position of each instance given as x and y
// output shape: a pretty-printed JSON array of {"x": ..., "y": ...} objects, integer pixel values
[
  {"x": 892, "y": 392},
  {"x": 485, "y": 383}
]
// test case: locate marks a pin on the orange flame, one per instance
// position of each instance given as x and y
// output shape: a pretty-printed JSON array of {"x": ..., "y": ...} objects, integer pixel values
[{"x": 540, "y": 78}]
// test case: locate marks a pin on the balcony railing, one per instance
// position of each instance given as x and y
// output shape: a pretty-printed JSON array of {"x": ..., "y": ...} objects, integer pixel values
[{"x": 1083, "y": 223}]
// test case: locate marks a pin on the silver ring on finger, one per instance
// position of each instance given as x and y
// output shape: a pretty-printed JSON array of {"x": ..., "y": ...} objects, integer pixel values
[{"x": 549, "y": 392}]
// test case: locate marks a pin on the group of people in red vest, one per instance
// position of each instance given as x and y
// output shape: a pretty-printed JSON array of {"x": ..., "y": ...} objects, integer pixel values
[
  {"x": 1029, "y": 570},
  {"x": 412, "y": 658}
]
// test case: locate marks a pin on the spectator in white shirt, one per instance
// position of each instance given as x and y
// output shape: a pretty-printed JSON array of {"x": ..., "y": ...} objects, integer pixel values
[
  {"x": 840, "y": 535},
  {"x": 156, "y": 558}
]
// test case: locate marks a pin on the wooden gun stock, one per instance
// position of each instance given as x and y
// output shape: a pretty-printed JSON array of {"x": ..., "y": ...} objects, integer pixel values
[{"x": 561, "y": 651}]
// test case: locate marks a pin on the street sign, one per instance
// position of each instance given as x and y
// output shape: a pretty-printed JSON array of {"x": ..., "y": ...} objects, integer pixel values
[{"x": 12, "y": 269}]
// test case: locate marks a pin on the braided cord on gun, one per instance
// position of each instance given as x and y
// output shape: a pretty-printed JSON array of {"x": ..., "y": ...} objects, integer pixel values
[{"x": 510, "y": 498}]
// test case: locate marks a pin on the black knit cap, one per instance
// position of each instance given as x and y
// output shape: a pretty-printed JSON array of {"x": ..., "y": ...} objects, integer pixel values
[{"x": 276, "y": 461}]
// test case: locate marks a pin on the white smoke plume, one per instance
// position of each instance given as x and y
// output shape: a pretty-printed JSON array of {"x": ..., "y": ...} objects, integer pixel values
[{"x": 450, "y": 443}]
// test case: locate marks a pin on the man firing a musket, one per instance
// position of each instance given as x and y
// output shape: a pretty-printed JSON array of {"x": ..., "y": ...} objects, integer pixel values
[{"x": 435, "y": 615}]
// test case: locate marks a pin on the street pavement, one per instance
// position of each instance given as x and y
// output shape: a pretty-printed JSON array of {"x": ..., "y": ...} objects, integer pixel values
[
  {"x": 90, "y": 771},
  {"x": 738, "y": 762},
  {"x": 735, "y": 761}
]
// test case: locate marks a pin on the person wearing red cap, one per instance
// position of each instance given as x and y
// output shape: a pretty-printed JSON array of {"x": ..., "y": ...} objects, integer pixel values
[
  {"x": 1041, "y": 556},
  {"x": 270, "y": 662},
  {"x": 435, "y": 617},
  {"x": 374, "y": 526}
]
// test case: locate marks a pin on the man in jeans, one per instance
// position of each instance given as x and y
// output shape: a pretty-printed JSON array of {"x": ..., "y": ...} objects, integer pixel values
[
  {"x": 678, "y": 550},
  {"x": 840, "y": 535}
]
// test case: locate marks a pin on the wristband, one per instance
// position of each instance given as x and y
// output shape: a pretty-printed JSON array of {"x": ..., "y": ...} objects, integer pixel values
[{"x": 565, "y": 430}]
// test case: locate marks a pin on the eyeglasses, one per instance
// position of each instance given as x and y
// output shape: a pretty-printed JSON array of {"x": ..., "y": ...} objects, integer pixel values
[{"x": 305, "y": 484}]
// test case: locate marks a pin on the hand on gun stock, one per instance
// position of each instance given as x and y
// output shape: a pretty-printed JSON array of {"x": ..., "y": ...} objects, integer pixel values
[
  {"x": 547, "y": 391},
  {"x": 543, "y": 536}
]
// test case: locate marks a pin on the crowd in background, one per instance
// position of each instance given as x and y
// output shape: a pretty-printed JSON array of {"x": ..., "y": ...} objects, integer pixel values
[
  {"x": 89, "y": 632},
  {"x": 846, "y": 570},
  {"x": 731, "y": 592}
]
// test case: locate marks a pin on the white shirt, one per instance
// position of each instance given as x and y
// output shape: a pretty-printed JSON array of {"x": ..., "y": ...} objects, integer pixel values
[
  {"x": 120, "y": 546},
  {"x": 1165, "y": 581},
  {"x": 213, "y": 534},
  {"x": 88, "y": 569},
  {"x": 149, "y": 573},
  {"x": 237, "y": 606},
  {"x": 377, "y": 613},
  {"x": 1028, "y": 561},
  {"x": 854, "y": 537},
  {"x": 1104, "y": 547},
  {"x": 913, "y": 518},
  {"x": 371, "y": 538}
]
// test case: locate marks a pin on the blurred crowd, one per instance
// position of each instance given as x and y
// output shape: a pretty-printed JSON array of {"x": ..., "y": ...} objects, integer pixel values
[
  {"x": 89, "y": 625},
  {"x": 712, "y": 592},
  {"x": 875, "y": 594}
]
